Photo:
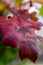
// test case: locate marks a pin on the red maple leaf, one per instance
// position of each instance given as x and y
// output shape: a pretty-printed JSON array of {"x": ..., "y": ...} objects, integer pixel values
[{"x": 19, "y": 31}]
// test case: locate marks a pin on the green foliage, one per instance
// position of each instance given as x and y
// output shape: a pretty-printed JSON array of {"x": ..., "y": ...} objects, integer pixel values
[
  {"x": 19, "y": 2},
  {"x": 1, "y": 62},
  {"x": 10, "y": 54},
  {"x": 38, "y": 0},
  {"x": 7, "y": 54},
  {"x": 2, "y": 6},
  {"x": 41, "y": 11}
]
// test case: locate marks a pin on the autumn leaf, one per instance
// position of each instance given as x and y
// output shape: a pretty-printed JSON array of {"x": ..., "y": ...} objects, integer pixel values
[
  {"x": 17, "y": 34},
  {"x": 19, "y": 31}
]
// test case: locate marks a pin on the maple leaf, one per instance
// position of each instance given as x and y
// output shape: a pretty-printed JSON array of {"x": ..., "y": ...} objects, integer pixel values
[
  {"x": 24, "y": 13},
  {"x": 19, "y": 31}
]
